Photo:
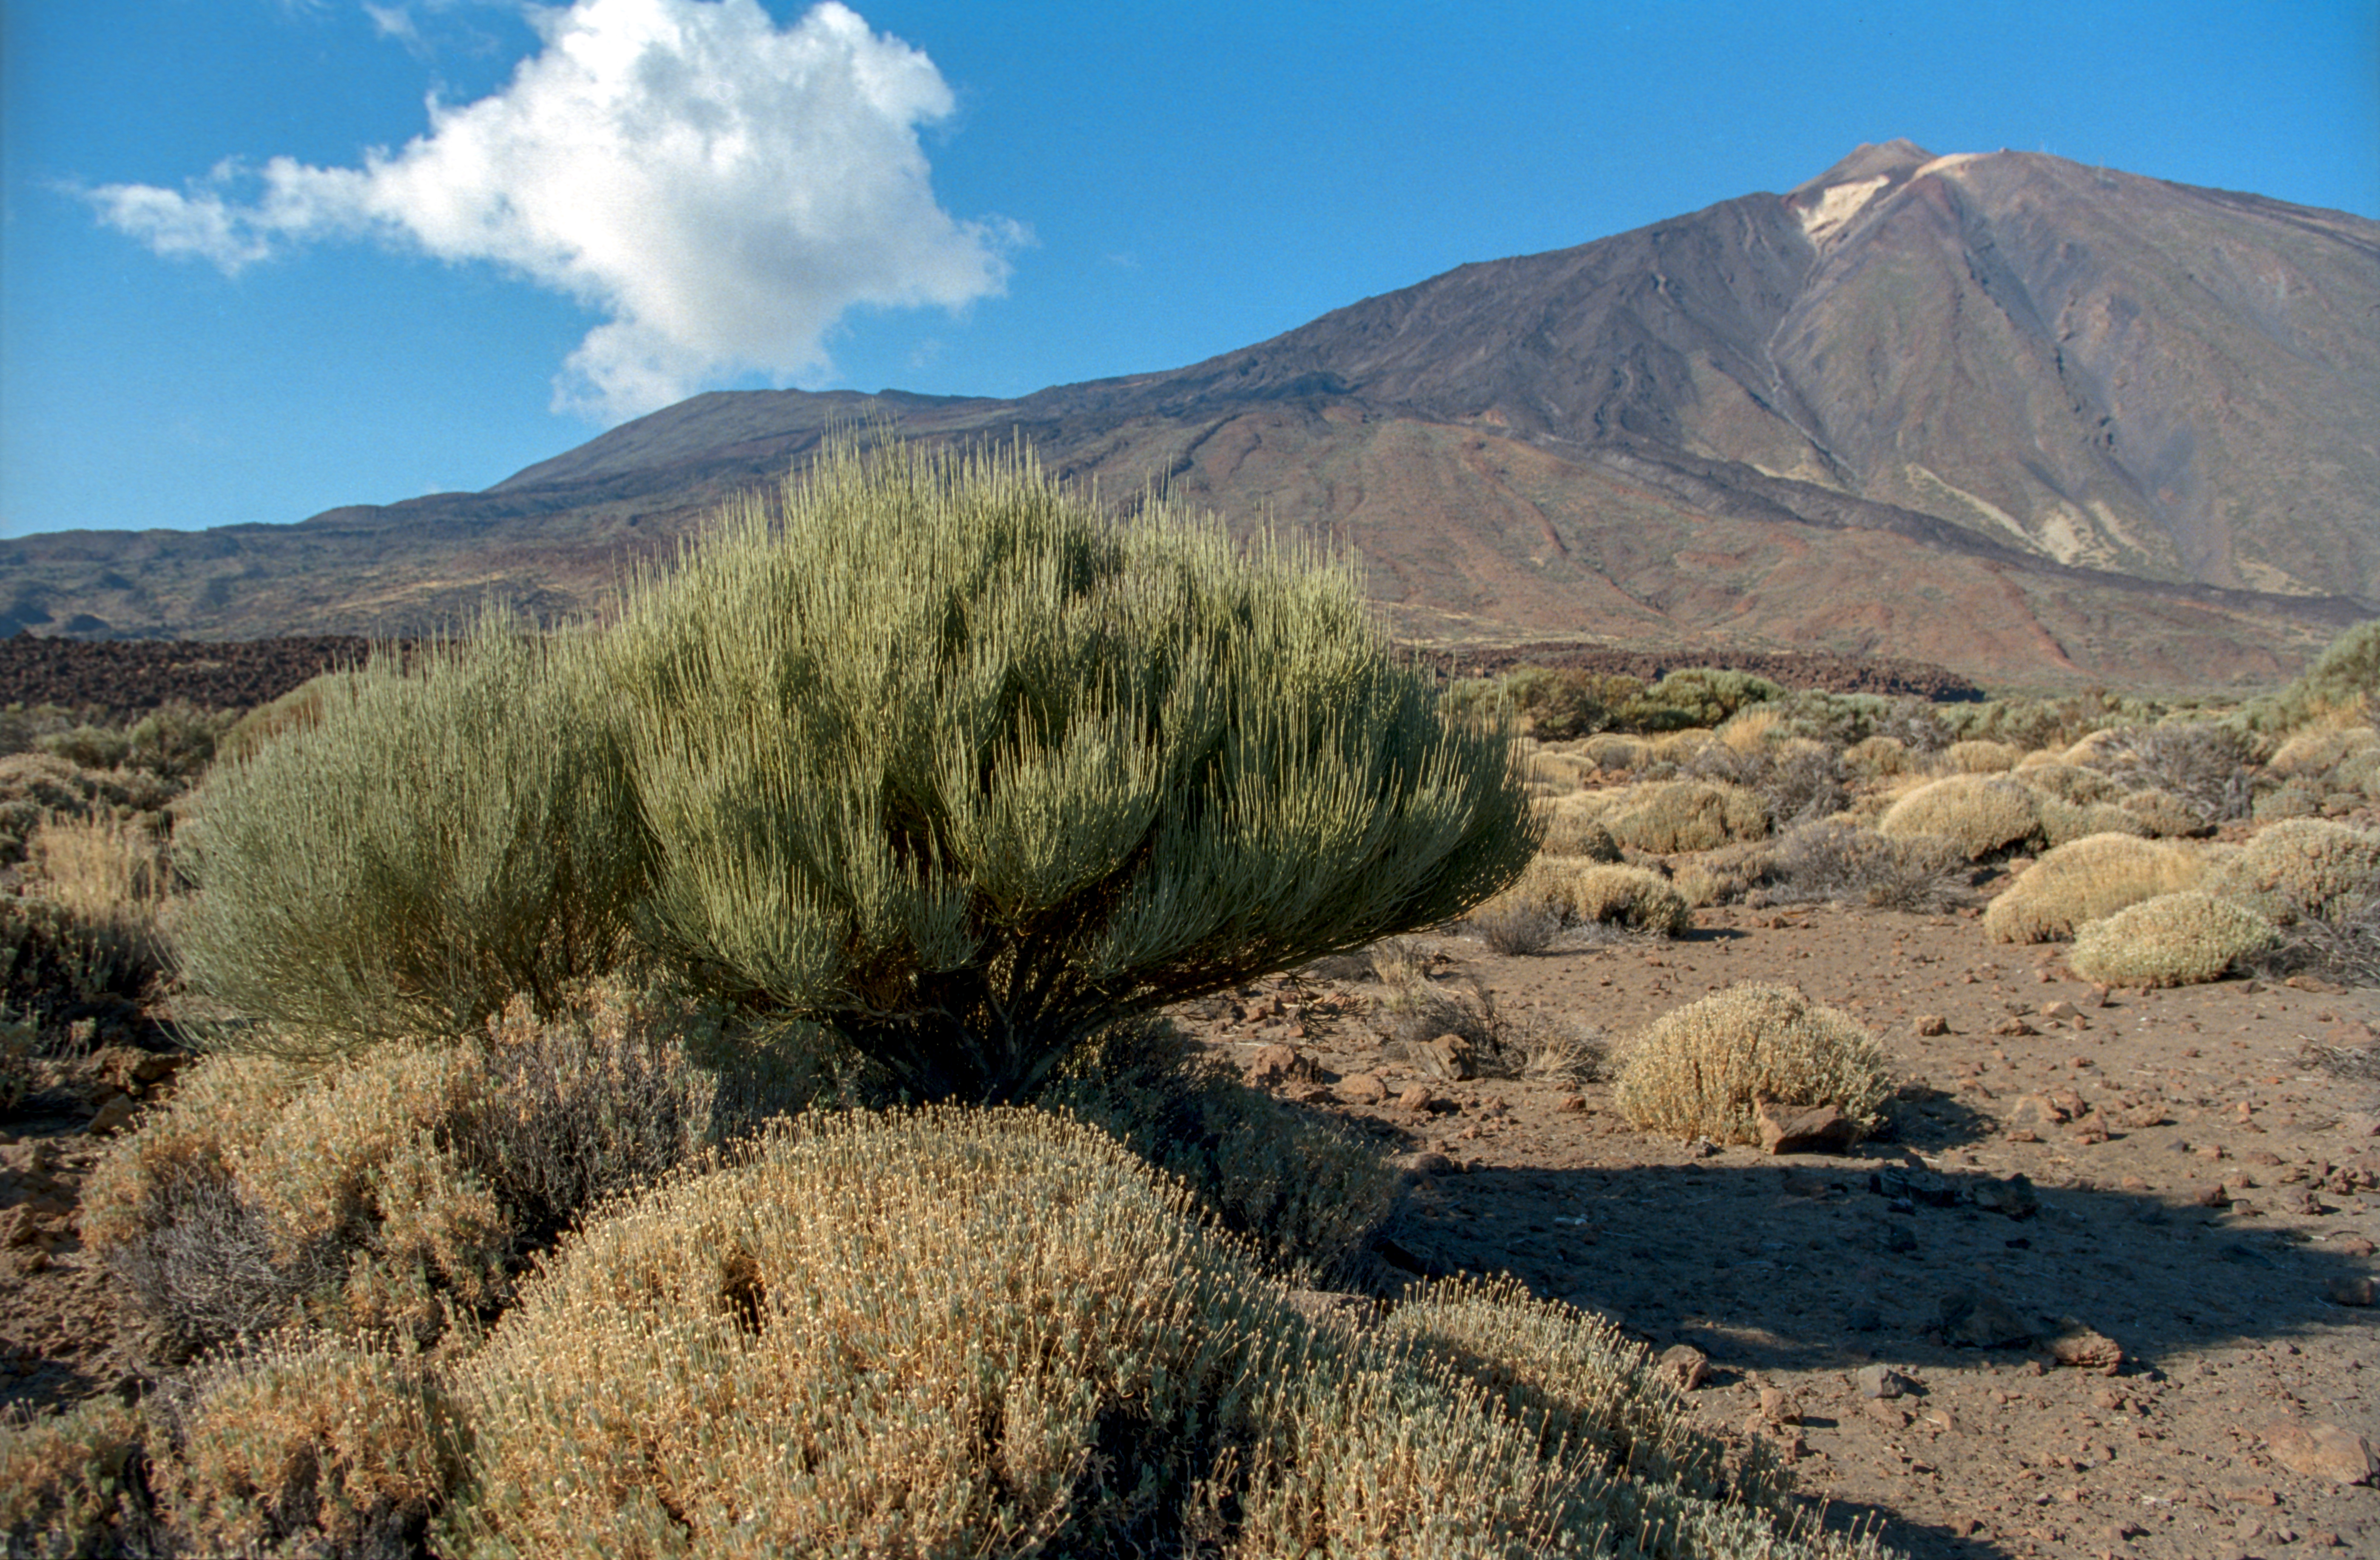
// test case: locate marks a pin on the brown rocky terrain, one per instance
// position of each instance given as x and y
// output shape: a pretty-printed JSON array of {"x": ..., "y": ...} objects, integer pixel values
[{"x": 2038, "y": 423}]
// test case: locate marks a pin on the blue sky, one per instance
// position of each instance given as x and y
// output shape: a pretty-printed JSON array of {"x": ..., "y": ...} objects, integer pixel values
[{"x": 259, "y": 258}]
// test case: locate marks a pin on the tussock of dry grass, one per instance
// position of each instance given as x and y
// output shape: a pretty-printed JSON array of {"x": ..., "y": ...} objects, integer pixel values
[
  {"x": 2302, "y": 868},
  {"x": 1669, "y": 817},
  {"x": 2087, "y": 880},
  {"x": 1697, "y": 1071},
  {"x": 1979, "y": 756},
  {"x": 2173, "y": 940},
  {"x": 1980, "y": 814}
]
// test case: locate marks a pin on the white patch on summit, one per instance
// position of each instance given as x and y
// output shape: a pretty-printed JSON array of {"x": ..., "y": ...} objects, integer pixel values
[{"x": 1837, "y": 205}]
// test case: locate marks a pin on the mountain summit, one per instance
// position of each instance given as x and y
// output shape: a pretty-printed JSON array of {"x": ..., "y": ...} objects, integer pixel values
[{"x": 2027, "y": 418}]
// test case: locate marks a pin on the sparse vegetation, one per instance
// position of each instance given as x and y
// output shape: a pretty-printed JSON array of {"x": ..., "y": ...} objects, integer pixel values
[{"x": 2302, "y": 869}]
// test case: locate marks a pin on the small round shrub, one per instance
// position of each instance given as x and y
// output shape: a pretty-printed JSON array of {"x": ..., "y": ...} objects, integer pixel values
[
  {"x": 2086, "y": 880},
  {"x": 1981, "y": 813},
  {"x": 2319, "y": 751},
  {"x": 1573, "y": 830},
  {"x": 1634, "y": 897},
  {"x": 2173, "y": 940},
  {"x": 1980, "y": 756},
  {"x": 1697, "y": 1071},
  {"x": 1669, "y": 817},
  {"x": 2164, "y": 815},
  {"x": 2068, "y": 782},
  {"x": 2063, "y": 822},
  {"x": 1616, "y": 752},
  {"x": 2301, "y": 867},
  {"x": 2287, "y": 801},
  {"x": 1877, "y": 756}
]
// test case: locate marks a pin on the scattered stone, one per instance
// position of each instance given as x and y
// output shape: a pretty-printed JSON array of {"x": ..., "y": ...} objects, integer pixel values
[
  {"x": 1447, "y": 1056},
  {"x": 2348, "y": 1291},
  {"x": 1930, "y": 1024},
  {"x": 113, "y": 1117},
  {"x": 1975, "y": 1319},
  {"x": 2138, "y": 1117},
  {"x": 2060, "y": 1011},
  {"x": 1802, "y": 1129},
  {"x": 1943, "y": 1420},
  {"x": 1416, "y": 1099},
  {"x": 2012, "y": 1025},
  {"x": 2083, "y": 1348},
  {"x": 1886, "y": 1415},
  {"x": 2210, "y": 1197},
  {"x": 2014, "y": 1198},
  {"x": 1274, "y": 1064},
  {"x": 1915, "y": 1185},
  {"x": 1882, "y": 1382},
  {"x": 2090, "y": 1130},
  {"x": 1685, "y": 1365},
  {"x": 2316, "y": 1450},
  {"x": 1574, "y": 1104},
  {"x": 1778, "y": 1407},
  {"x": 1363, "y": 1089}
]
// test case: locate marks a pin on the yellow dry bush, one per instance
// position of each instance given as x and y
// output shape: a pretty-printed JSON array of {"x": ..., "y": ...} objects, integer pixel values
[
  {"x": 2302, "y": 867},
  {"x": 1978, "y": 756},
  {"x": 1579, "y": 892},
  {"x": 1572, "y": 829},
  {"x": 1877, "y": 756},
  {"x": 2164, "y": 815},
  {"x": 311, "y": 1444},
  {"x": 1749, "y": 730},
  {"x": 385, "y": 1192},
  {"x": 2086, "y": 880},
  {"x": 2068, "y": 782},
  {"x": 973, "y": 1331},
  {"x": 2319, "y": 751},
  {"x": 66, "y": 1485},
  {"x": 1979, "y": 814},
  {"x": 2063, "y": 822},
  {"x": 1615, "y": 751},
  {"x": 1673, "y": 816},
  {"x": 1697, "y": 1070},
  {"x": 2173, "y": 940}
]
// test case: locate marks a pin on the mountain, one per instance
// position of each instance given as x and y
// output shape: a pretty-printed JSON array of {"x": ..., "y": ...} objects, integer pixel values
[{"x": 2037, "y": 422}]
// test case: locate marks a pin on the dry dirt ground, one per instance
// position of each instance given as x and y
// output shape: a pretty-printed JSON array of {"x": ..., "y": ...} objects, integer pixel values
[{"x": 2212, "y": 1211}]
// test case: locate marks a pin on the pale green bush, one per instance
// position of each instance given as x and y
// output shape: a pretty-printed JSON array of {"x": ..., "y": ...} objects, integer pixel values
[
  {"x": 2174, "y": 940},
  {"x": 933, "y": 753},
  {"x": 1699, "y": 1070},
  {"x": 1982, "y": 815},
  {"x": 437, "y": 841},
  {"x": 2087, "y": 880},
  {"x": 2301, "y": 867}
]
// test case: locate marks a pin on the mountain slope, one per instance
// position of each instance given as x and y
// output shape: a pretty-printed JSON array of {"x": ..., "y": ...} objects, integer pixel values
[{"x": 2031, "y": 421}]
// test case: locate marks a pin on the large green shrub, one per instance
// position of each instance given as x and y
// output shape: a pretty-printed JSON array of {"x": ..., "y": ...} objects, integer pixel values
[
  {"x": 932, "y": 752},
  {"x": 442, "y": 838}
]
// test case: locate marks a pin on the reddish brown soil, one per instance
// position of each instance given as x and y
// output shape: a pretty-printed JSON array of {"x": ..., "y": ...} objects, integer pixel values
[{"x": 1797, "y": 1272}]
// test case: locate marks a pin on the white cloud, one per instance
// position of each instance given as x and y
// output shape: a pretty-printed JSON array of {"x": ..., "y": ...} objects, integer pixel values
[{"x": 722, "y": 189}]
